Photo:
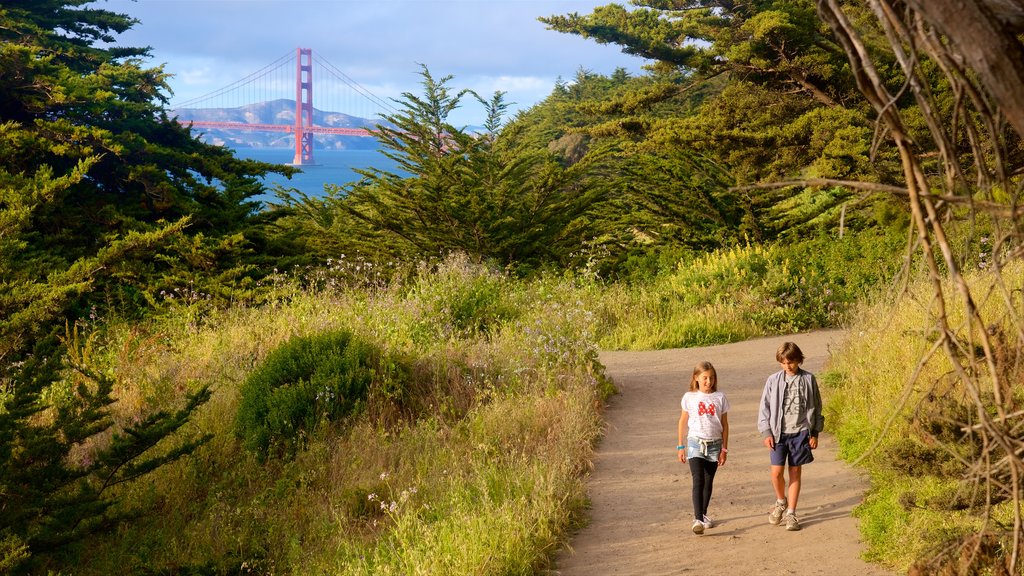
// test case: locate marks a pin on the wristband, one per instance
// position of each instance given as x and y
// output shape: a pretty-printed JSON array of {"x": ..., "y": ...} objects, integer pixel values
[
  {"x": 725, "y": 450},
  {"x": 681, "y": 447}
]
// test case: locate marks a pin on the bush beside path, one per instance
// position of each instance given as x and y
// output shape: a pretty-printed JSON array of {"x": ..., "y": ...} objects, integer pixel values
[{"x": 639, "y": 521}]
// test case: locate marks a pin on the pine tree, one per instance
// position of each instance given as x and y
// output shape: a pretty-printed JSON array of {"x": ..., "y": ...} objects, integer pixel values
[
  {"x": 497, "y": 199},
  {"x": 102, "y": 198},
  {"x": 70, "y": 105}
]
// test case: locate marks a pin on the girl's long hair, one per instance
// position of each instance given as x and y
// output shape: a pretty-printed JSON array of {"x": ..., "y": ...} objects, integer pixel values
[{"x": 699, "y": 369}]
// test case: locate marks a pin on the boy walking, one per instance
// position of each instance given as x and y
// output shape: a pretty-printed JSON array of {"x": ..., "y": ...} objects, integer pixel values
[{"x": 789, "y": 420}]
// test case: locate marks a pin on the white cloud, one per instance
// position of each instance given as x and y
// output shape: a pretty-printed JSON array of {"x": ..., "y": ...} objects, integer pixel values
[
  {"x": 486, "y": 45},
  {"x": 514, "y": 84}
]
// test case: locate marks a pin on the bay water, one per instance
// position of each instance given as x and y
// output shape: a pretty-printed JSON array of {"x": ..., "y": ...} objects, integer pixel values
[{"x": 332, "y": 167}]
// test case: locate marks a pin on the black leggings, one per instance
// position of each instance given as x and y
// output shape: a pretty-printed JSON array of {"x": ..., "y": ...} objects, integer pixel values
[{"x": 703, "y": 473}]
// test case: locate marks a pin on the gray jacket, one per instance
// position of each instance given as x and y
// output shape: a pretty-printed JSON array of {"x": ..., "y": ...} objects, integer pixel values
[{"x": 769, "y": 418}]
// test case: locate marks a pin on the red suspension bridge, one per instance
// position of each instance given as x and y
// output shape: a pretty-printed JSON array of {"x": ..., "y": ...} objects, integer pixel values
[{"x": 276, "y": 82}]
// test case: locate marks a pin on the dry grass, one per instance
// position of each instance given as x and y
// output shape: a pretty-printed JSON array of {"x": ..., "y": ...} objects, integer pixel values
[
  {"x": 898, "y": 407},
  {"x": 484, "y": 475}
]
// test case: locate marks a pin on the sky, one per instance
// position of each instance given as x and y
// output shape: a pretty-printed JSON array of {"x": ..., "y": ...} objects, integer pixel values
[{"x": 485, "y": 45}]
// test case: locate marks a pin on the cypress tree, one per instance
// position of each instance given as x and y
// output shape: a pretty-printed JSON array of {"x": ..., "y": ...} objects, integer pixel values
[
  {"x": 102, "y": 199},
  {"x": 496, "y": 198}
]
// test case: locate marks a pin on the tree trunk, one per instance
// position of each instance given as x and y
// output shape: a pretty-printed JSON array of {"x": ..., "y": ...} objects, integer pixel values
[{"x": 984, "y": 34}]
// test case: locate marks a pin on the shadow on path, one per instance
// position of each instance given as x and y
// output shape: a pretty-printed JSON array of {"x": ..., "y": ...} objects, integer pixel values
[{"x": 640, "y": 515}]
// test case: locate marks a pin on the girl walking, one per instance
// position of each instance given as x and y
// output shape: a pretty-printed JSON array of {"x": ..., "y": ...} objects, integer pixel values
[{"x": 704, "y": 423}]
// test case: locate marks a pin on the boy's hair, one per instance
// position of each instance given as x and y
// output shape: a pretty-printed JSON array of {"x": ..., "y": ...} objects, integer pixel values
[
  {"x": 789, "y": 351},
  {"x": 699, "y": 369}
]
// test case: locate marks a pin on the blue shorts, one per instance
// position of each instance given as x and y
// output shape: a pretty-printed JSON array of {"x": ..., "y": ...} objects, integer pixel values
[
  {"x": 700, "y": 448},
  {"x": 793, "y": 449}
]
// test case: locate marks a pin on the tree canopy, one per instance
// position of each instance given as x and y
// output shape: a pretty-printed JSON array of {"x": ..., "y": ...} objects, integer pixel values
[
  {"x": 104, "y": 200},
  {"x": 759, "y": 89},
  {"x": 493, "y": 196}
]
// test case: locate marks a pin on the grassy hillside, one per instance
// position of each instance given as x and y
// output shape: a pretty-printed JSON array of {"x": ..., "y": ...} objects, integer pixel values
[
  {"x": 470, "y": 460},
  {"x": 465, "y": 449},
  {"x": 750, "y": 291},
  {"x": 941, "y": 500}
]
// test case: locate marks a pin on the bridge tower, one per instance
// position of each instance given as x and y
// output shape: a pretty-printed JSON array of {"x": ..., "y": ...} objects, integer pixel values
[{"x": 303, "y": 107}]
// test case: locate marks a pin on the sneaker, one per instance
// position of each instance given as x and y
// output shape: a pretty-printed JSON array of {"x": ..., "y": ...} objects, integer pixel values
[
  {"x": 776, "y": 513},
  {"x": 698, "y": 526},
  {"x": 708, "y": 522},
  {"x": 791, "y": 522}
]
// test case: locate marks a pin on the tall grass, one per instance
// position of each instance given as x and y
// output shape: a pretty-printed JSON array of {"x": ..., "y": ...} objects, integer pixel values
[
  {"x": 895, "y": 405},
  {"x": 749, "y": 291},
  {"x": 483, "y": 474},
  {"x": 480, "y": 468}
]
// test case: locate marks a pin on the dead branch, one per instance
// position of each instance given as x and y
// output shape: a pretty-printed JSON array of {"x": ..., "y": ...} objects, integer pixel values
[{"x": 976, "y": 47}]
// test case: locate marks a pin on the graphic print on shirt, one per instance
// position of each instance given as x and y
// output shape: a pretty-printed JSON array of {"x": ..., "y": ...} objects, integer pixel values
[
  {"x": 705, "y": 409},
  {"x": 791, "y": 403}
]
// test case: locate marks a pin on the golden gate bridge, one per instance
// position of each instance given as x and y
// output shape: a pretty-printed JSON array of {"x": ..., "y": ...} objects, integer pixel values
[{"x": 275, "y": 81}]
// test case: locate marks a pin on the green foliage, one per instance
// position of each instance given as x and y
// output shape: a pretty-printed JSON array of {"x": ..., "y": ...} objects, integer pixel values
[
  {"x": 308, "y": 230},
  {"x": 480, "y": 468},
  {"x": 90, "y": 120},
  {"x": 779, "y": 44},
  {"x": 897, "y": 408},
  {"x": 666, "y": 197},
  {"x": 309, "y": 381},
  {"x": 14, "y": 552},
  {"x": 741, "y": 292},
  {"x": 759, "y": 91},
  {"x": 61, "y": 458},
  {"x": 674, "y": 199},
  {"x": 814, "y": 283},
  {"x": 462, "y": 301},
  {"x": 98, "y": 192},
  {"x": 495, "y": 199}
]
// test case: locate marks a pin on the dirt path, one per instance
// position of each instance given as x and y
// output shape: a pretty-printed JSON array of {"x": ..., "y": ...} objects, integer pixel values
[{"x": 640, "y": 494}]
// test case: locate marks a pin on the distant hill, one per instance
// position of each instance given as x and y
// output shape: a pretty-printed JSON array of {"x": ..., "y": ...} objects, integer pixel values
[{"x": 280, "y": 111}]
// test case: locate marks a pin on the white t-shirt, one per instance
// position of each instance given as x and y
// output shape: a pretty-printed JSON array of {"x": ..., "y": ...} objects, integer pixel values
[{"x": 705, "y": 414}]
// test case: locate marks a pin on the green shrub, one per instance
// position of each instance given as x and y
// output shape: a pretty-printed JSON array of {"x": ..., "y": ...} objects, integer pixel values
[
  {"x": 308, "y": 381},
  {"x": 463, "y": 300},
  {"x": 479, "y": 307},
  {"x": 745, "y": 291},
  {"x": 897, "y": 406},
  {"x": 814, "y": 283}
]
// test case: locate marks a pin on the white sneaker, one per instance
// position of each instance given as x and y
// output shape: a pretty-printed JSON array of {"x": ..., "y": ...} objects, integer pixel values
[
  {"x": 698, "y": 526},
  {"x": 708, "y": 522},
  {"x": 792, "y": 523},
  {"x": 777, "y": 512}
]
